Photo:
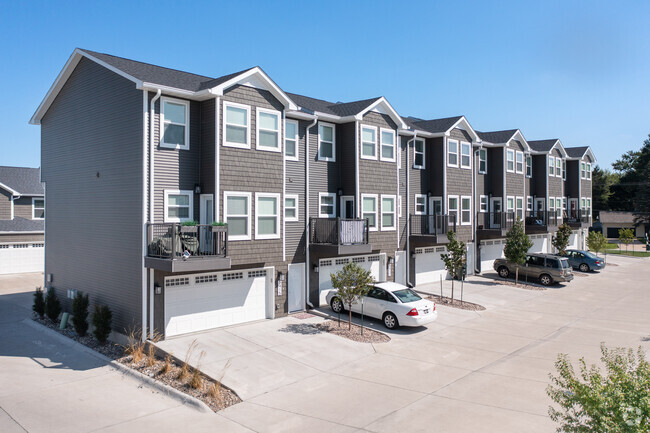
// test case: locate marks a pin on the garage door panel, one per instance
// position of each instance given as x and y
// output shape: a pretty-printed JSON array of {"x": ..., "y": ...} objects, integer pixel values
[
  {"x": 489, "y": 253},
  {"x": 540, "y": 245},
  {"x": 429, "y": 266},
  {"x": 373, "y": 263},
  {"x": 19, "y": 258}
]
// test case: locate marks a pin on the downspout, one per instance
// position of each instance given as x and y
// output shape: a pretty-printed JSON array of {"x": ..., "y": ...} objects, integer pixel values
[
  {"x": 307, "y": 231},
  {"x": 474, "y": 201},
  {"x": 284, "y": 189},
  {"x": 408, "y": 209},
  {"x": 217, "y": 156},
  {"x": 13, "y": 205},
  {"x": 357, "y": 192},
  {"x": 152, "y": 146},
  {"x": 398, "y": 160}
]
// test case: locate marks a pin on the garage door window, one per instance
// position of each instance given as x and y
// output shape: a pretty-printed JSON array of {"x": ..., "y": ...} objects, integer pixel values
[
  {"x": 268, "y": 217},
  {"x": 178, "y": 206},
  {"x": 370, "y": 211},
  {"x": 238, "y": 215}
]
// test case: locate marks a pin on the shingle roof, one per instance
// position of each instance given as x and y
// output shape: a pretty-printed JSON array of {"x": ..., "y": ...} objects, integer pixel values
[
  {"x": 616, "y": 217},
  {"x": 542, "y": 145},
  {"x": 26, "y": 181},
  {"x": 19, "y": 224},
  {"x": 335, "y": 108},
  {"x": 352, "y": 108},
  {"x": 497, "y": 137},
  {"x": 437, "y": 125},
  {"x": 576, "y": 152}
]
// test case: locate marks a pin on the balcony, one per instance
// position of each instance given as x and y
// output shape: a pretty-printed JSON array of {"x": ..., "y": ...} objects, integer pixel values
[
  {"x": 426, "y": 230},
  {"x": 494, "y": 225},
  {"x": 172, "y": 247},
  {"x": 579, "y": 218},
  {"x": 542, "y": 221},
  {"x": 336, "y": 236}
]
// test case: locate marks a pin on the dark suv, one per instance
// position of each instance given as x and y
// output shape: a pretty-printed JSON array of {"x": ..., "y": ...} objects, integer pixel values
[{"x": 548, "y": 268}]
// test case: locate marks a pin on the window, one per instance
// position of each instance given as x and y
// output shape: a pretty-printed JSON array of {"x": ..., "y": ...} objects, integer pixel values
[
  {"x": 483, "y": 203},
  {"x": 519, "y": 167},
  {"x": 418, "y": 154},
  {"x": 529, "y": 204},
  {"x": 558, "y": 167},
  {"x": 551, "y": 165},
  {"x": 268, "y": 130},
  {"x": 267, "y": 221},
  {"x": 551, "y": 206},
  {"x": 38, "y": 208},
  {"x": 399, "y": 206},
  {"x": 452, "y": 153},
  {"x": 178, "y": 206},
  {"x": 387, "y": 145},
  {"x": 510, "y": 206},
  {"x": 564, "y": 169},
  {"x": 529, "y": 166},
  {"x": 583, "y": 203},
  {"x": 583, "y": 170},
  {"x": 237, "y": 120},
  {"x": 369, "y": 210},
  {"x": 420, "y": 204},
  {"x": 519, "y": 203},
  {"x": 388, "y": 212},
  {"x": 368, "y": 142},
  {"x": 291, "y": 140},
  {"x": 237, "y": 214},
  {"x": 588, "y": 171},
  {"x": 588, "y": 203},
  {"x": 466, "y": 210},
  {"x": 326, "y": 205},
  {"x": 510, "y": 160},
  {"x": 326, "y": 142},
  {"x": 465, "y": 155},
  {"x": 175, "y": 121},
  {"x": 291, "y": 207},
  {"x": 564, "y": 203},
  {"x": 452, "y": 208},
  {"x": 482, "y": 161}
]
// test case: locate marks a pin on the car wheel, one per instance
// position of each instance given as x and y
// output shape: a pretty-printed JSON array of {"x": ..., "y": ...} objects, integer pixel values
[
  {"x": 390, "y": 321},
  {"x": 583, "y": 267},
  {"x": 503, "y": 272},
  {"x": 545, "y": 279},
  {"x": 337, "y": 305}
]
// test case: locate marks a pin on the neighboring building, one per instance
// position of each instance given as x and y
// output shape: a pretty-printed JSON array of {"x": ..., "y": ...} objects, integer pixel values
[
  {"x": 22, "y": 215},
  {"x": 611, "y": 222}
]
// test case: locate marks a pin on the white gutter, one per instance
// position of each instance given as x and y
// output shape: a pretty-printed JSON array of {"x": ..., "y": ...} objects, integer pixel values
[
  {"x": 151, "y": 219},
  {"x": 308, "y": 233},
  {"x": 475, "y": 214}
]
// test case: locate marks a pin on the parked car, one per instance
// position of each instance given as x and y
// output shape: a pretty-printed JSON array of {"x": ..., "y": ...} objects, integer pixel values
[
  {"x": 585, "y": 261},
  {"x": 548, "y": 268},
  {"x": 394, "y": 304}
]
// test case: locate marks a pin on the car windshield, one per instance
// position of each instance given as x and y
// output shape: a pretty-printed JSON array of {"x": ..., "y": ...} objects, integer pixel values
[
  {"x": 407, "y": 295},
  {"x": 565, "y": 263}
]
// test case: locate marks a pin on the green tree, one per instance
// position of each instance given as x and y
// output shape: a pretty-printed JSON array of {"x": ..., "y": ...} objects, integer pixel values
[
  {"x": 454, "y": 259},
  {"x": 626, "y": 236},
  {"x": 80, "y": 314},
  {"x": 632, "y": 193},
  {"x": 561, "y": 238},
  {"x": 601, "y": 187},
  {"x": 616, "y": 401},
  {"x": 596, "y": 241},
  {"x": 517, "y": 245},
  {"x": 52, "y": 305},
  {"x": 103, "y": 322},
  {"x": 352, "y": 283},
  {"x": 39, "y": 303}
]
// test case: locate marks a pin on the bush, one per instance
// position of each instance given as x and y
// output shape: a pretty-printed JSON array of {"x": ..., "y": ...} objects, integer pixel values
[
  {"x": 52, "y": 305},
  {"x": 102, "y": 321},
  {"x": 597, "y": 242},
  {"x": 39, "y": 303},
  {"x": 561, "y": 238},
  {"x": 80, "y": 314}
]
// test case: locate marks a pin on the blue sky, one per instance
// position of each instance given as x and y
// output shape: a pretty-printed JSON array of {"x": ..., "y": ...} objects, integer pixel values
[{"x": 574, "y": 70}]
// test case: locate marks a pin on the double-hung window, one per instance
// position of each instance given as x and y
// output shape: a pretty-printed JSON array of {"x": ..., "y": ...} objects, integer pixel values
[
  {"x": 237, "y": 214},
  {"x": 551, "y": 206},
  {"x": 483, "y": 203},
  {"x": 369, "y": 210},
  {"x": 175, "y": 119},
  {"x": 465, "y": 210},
  {"x": 452, "y": 208},
  {"x": 519, "y": 203},
  {"x": 418, "y": 154},
  {"x": 588, "y": 171},
  {"x": 38, "y": 208},
  {"x": 268, "y": 130},
  {"x": 291, "y": 207},
  {"x": 368, "y": 142},
  {"x": 387, "y": 145},
  {"x": 510, "y": 160},
  {"x": 237, "y": 121},
  {"x": 267, "y": 216},
  {"x": 178, "y": 206},
  {"x": 564, "y": 169},
  {"x": 482, "y": 161},
  {"x": 452, "y": 153},
  {"x": 510, "y": 207},
  {"x": 583, "y": 203},
  {"x": 420, "y": 204},
  {"x": 388, "y": 212},
  {"x": 551, "y": 166},
  {"x": 529, "y": 204},
  {"x": 558, "y": 166},
  {"x": 326, "y": 142},
  {"x": 529, "y": 166},
  {"x": 465, "y": 154},
  {"x": 291, "y": 140},
  {"x": 519, "y": 166},
  {"x": 326, "y": 205},
  {"x": 583, "y": 170}
]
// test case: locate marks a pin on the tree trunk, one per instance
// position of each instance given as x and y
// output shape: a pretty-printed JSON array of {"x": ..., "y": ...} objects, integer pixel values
[
  {"x": 452, "y": 290},
  {"x": 517, "y": 276},
  {"x": 350, "y": 317}
]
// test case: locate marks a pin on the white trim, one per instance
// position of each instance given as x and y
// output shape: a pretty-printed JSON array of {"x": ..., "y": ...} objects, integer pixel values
[
  {"x": 296, "y": 139},
  {"x": 564, "y": 169},
  {"x": 415, "y": 152},
  {"x": 551, "y": 166},
  {"x": 188, "y": 193},
  {"x": 227, "y": 143},
  {"x": 395, "y": 213},
  {"x": 217, "y": 158},
  {"x": 465, "y": 197},
  {"x": 399, "y": 206},
  {"x": 519, "y": 153},
  {"x": 526, "y": 160},
  {"x": 248, "y": 215},
  {"x": 327, "y": 125},
  {"x": 33, "y": 208},
  {"x": 510, "y": 209},
  {"x": 508, "y": 153},
  {"x": 382, "y": 145},
  {"x": 375, "y": 212},
  {"x": 374, "y": 130},
  {"x": 10, "y": 190},
  {"x": 529, "y": 203},
  {"x": 469, "y": 155},
  {"x": 186, "y": 125},
  {"x": 415, "y": 204},
  {"x": 558, "y": 167},
  {"x": 297, "y": 207},
  {"x": 456, "y": 210},
  {"x": 449, "y": 153},
  {"x": 480, "y": 203},
  {"x": 203, "y": 198},
  {"x": 278, "y": 206},
  {"x": 342, "y": 200},
  {"x": 484, "y": 150},
  {"x": 278, "y": 148},
  {"x": 588, "y": 171},
  {"x": 517, "y": 209},
  {"x": 391, "y": 112},
  {"x": 320, "y": 204},
  {"x": 13, "y": 210}
]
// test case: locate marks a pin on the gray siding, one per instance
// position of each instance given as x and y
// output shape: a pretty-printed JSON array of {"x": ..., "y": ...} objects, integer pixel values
[
  {"x": 207, "y": 167},
  {"x": 515, "y": 181},
  {"x": 555, "y": 184},
  {"x": 494, "y": 184},
  {"x": 21, "y": 238},
  {"x": 5, "y": 205},
  {"x": 403, "y": 173},
  {"x": 345, "y": 141},
  {"x": 460, "y": 183},
  {"x": 295, "y": 230},
  {"x": 23, "y": 208},
  {"x": 585, "y": 185},
  {"x": 323, "y": 175},
  {"x": 572, "y": 179},
  {"x": 91, "y": 157}
]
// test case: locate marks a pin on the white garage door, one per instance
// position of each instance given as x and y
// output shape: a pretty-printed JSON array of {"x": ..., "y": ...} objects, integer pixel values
[
  {"x": 573, "y": 241},
  {"x": 375, "y": 263},
  {"x": 21, "y": 257},
  {"x": 204, "y": 301},
  {"x": 429, "y": 267},
  {"x": 540, "y": 244},
  {"x": 490, "y": 251}
]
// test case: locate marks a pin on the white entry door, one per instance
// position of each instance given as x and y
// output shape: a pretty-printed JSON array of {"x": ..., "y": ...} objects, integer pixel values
[
  {"x": 435, "y": 205},
  {"x": 400, "y": 267},
  {"x": 296, "y": 288},
  {"x": 347, "y": 206}
]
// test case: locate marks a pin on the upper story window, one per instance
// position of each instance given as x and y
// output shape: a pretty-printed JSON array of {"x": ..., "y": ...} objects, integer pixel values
[
  {"x": 267, "y": 224},
  {"x": 420, "y": 204},
  {"x": 326, "y": 142},
  {"x": 369, "y": 142},
  {"x": 237, "y": 214},
  {"x": 529, "y": 166},
  {"x": 510, "y": 160},
  {"x": 583, "y": 170},
  {"x": 588, "y": 171},
  {"x": 519, "y": 166},
  {"x": 558, "y": 167},
  {"x": 519, "y": 204},
  {"x": 418, "y": 154},
  {"x": 388, "y": 212},
  {"x": 529, "y": 204},
  {"x": 38, "y": 208},
  {"x": 268, "y": 130},
  {"x": 551, "y": 166},
  {"x": 237, "y": 121},
  {"x": 482, "y": 161},
  {"x": 452, "y": 153},
  {"x": 564, "y": 169},
  {"x": 369, "y": 210},
  {"x": 291, "y": 207},
  {"x": 452, "y": 208},
  {"x": 291, "y": 140},
  {"x": 465, "y": 155},
  {"x": 176, "y": 123},
  {"x": 387, "y": 145},
  {"x": 483, "y": 203},
  {"x": 465, "y": 210},
  {"x": 178, "y": 206},
  {"x": 326, "y": 205}
]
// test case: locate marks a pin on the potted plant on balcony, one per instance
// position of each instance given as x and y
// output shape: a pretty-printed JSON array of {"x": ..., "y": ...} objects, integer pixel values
[
  {"x": 189, "y": 227},
  {"x": 218, "y": 226}
]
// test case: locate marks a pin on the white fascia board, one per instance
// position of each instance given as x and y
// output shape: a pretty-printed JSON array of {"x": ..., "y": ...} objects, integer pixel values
[
  {"x": 299, "y": 115},
  {"x": 11, "y": 190},
  {"x": 420, "y": 133},
  {"x": 173, "y": 91},
  {"x": 272, "y": 87},
  {"x": 560, "y": 147},
  {"x": 468, "y": 128},
  {"x": 393, "y": 114},
  {"x": 522, "y": 139},
  {"x": 23, "y": 233}
]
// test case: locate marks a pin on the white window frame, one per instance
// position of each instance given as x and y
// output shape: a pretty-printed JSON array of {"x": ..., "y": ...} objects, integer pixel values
[
  {"x": 583, "y": 203},
  {"x": 469, "y": 211},
  {"x": 583, "y": 170},
  {"x": 276, "y": 235},
  {"x": 296, "y": 139},
  {"x": 297, "y": 207},
  {"x": 468, "y": 155},
  {"x": 519, "y": 154},
  {"x": 394, "y": 226},
  {"x": 188, "y": 193},
  {"x": 320, "y": 204},
  {"x": 483, "y": 203},
  {"x": 382, "y": 145},
  {"x": 510, "y": 157},
  {"x": 482, "y": 160},
  {"x": 588, "y": 171},
  {"x": 415, "y": 153},
  {"x": 248, "y": 215},
  {"x": 519, "y": 208},
  {"x": 455, "y": 210},
  {"x": 321, "y": 157},
  {"x": 588, "y": 203},
  {"x": 164, "y": 122},
  {"x": 551, "y": 205},
  {"x": 563, "y": 169},
  {"x": 558, "y": 167},
  {"x": 375, "y": 130},
  {"x": 449, "y": 153},
  {"x": 529, "y": 203},
  {"x": 259, "y": 110},
  {"x": 510, "y": 209},
  {"x": 415, "y": 204},
  {"x": 34, "y": 208},
  {"x": 375, "y": 212},
  {"x": 529, "y": 166},
  {"x": 399, "y": 206},
  {"x": 551, "y": 165},
  {"x": 227, "y": 143}
]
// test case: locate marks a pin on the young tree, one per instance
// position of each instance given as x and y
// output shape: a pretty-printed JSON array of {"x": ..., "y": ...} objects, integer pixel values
[
  {"x": 517, "y": 245},
  {"x": 39, "y": 303},
  {"x": 455, "y": 259},
  {"x": 102, "y": 321},
  {"x": 615, "y": 401},
  {"x": 626, "y": 236},
  {"x": 561, "y": 238},
  {"x": 52, "y": 305},
  {"x": 596, "y": 241},
  {"x": 351, "y": 283},
  {"x": 80, "y": 314}
]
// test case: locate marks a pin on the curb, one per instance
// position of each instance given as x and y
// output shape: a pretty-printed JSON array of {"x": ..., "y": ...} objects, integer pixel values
[{"x": 164, "y": 389}]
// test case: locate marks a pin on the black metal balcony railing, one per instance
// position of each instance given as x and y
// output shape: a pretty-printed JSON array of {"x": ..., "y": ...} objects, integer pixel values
[
  {"x": 495, "y": 220},
  {"x": 338, "y": 231},
  {"x": 174, "y": 241},
  {"x": 543, "y": 218},
  {"x": 579, "y": 216},
  {"x": 434, "y": 225}
]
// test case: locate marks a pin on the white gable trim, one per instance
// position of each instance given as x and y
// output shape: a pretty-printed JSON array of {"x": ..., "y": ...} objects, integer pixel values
[
  {"x": 462, "y": 123},
  {"x": 389, "y": 110},
  {"x": 12, "y": 191},
  {"x": 519, "y": 136}
]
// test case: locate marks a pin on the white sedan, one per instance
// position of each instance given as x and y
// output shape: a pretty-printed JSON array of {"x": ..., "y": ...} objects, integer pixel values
[{"x": 394, "y": 304}]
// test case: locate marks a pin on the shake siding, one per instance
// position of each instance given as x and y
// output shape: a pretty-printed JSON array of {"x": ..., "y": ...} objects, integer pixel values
[
  {"x": 207, "y": 148},
  {"x": 555, "y": 184},
  {"x": 295, "y": 231},
  {"x": 403, "y": 172},
  {"x": 91, "y": 154},
  {"x": 21, "y": 238},
  {"x": 418, "y": 178},
  {"x": 540, "y": 175},
  {"x": 23, "y": 208},
  {"x": 514, "y": 181},
  {"x": 5, "y": 205},
  {"x": 459, "y": 182},
  {"x": 481, "y": 185},
  {"x": 585, "y": 185}
]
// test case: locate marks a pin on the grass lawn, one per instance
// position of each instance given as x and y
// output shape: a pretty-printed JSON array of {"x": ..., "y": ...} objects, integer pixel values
[
  {"x": 611, "y": 246},
  {"x": 630, "y": 253}
]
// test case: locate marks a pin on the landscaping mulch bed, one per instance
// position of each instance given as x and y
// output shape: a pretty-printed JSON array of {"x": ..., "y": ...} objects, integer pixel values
[
  {"x": 354, "y": 334},
  {"x": 456, "y": 303}
]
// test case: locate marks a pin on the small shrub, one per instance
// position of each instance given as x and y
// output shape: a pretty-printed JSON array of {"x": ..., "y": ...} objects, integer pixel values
[
  {"x": 167, "y": 365},
  {"x": 196, "y": 381},
  {"x": 135, "y": 346},
  {"x": 151, "y": 355},
  {"x": 102, "y": 321},
  {"x": 80, "y": 314},
  {"x": 218, "y": 223},
  {"x": 52, "y": 305},
  {"x": 185, "y": 368},
  {"x": 39, "y": 303},
  {"x": 189, "y": 223}
]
